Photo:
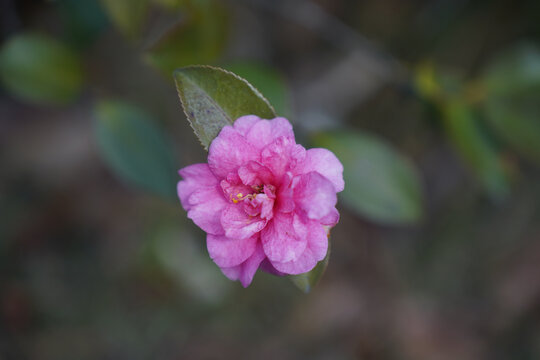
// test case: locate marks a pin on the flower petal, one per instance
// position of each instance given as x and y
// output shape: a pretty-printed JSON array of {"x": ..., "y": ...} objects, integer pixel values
[
  {"x": 261, "y": 206},
  {"x": 202, "y": 198},
  {"x": 281, "y": 155},
  {"x": 284, "y": 199},
  {"x": 244, "y": 123},
  {"x": 314, "y": 194},
  {"x": 325, "y": 163},
  {"x": 255, "y": 174},
  {"x": 267, "y": 267},
  {"x": 228, "y": 151},
  {"x": 331, "y": 219},
  {"x": 315, "y": 251},
  {"x": 246, "y": 271},
  {"x": 195, "y": 177},
  {"x": 227, "y": 252},
  {"x": 206, "y": 206},
  {"x": 264, "y": 132},
  {"x": 284, "y": 239},
  {"x": 238, "y": 224}
]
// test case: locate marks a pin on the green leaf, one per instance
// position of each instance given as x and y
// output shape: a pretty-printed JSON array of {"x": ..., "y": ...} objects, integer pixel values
[
  {"x": 127, "y": 15},
  {"x": 435, "y": 84},
  {"x": 198, "y": 39},
  {"x": 307, "y": 281},
  {"x": 462, "y": 128},
  {"x": 39, "y": 69},
  {"x": 516, "y": 120},
  {"x": 379, "y": 183},
  {"x": 514, "y": 72},
  {"x": 134, "y": 148},
  {"x": 447, "y": 92},
  {"x": 83, "y": 21},
  {"x": 269, "y": 82},
  {"x": 513, "y": 105},
  {"x": 213, "y": 98}
]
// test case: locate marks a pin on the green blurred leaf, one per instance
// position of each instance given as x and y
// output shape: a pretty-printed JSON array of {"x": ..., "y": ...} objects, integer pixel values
[
  {"x": 464, "y": 132},
  {"x": 517, "y": 121},
  {"x": 513, "y": 100},
  {"x": 134, "y": 148},
  {"x": 445, "y": 90},
  {"x": 40, "y": 69},
  {"x": 84, "y": 21},
  {"x": 267, "y": 80},
  {"x": 198, "y": 39},
  {"x": 127, "y": 15},
  {"x": 434, "y": 84},
  {"x": 171, "y": 4},
  {"x": 309, "y": 280},
  {"x": 213, "y": 98},
  {"x": 379, "y": 183},
  {"x": 514, "y": 72}
]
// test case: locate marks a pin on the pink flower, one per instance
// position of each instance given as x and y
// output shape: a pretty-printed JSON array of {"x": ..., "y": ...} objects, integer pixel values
[{"x": 263, "y": 200}]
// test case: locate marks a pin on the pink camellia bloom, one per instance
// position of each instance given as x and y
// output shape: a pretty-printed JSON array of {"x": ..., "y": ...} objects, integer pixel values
[{"x": 263, "y": 200}]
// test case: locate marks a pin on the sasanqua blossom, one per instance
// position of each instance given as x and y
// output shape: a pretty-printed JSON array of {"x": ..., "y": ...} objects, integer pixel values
[{"x": 263, "y": 200}]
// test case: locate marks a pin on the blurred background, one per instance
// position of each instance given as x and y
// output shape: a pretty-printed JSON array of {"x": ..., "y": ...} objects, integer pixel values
[{"x": 432, "y": 106}]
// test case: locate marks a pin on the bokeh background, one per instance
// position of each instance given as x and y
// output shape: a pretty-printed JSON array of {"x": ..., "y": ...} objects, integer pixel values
[{"x": 433, "y": 107}]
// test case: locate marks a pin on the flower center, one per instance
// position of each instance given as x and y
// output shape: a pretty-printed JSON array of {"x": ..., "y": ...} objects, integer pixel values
[{"x": 259, "y": 189}]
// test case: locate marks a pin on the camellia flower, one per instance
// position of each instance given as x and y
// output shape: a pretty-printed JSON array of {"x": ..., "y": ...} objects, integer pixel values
[{"x": 263, "y": 200}]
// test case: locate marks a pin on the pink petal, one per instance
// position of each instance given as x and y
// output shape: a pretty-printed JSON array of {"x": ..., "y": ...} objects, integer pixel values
[
  {"x": 261, "y": 206},
  {"x": 205, "y": 209},
  {"x": 227, "y": 252},
  {"x": 244, "y": 123},
  {"x": 315, "y": 251},
  {"x": 264, "y": 132},
  {"x": 246, "y": 271},
  {"x": 281, "y": 155},
  {"x": 270, "y": 191},
  {"x": 284, "y": 239},
  {"x": 267, "y": 208},
  {"x": 233, "y": 273},
  {"x": 314, "y": 194},
  {"x": 284, "y": 200},
  {"x": 239, "y": 225},
  {"x": 255, "y": 174},
  {"x": 325, "y": 163},
  {"x": 195, "y": 177},
  {"x": 267, "y": 266},
  {"x": 201, "y": 197},
  {"x": 331, "y": 219},
  {"x": 228, "y": 151}
]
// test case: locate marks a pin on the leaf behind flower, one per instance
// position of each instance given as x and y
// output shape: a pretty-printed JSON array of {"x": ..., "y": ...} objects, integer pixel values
[{"x": 213, "y": 98}]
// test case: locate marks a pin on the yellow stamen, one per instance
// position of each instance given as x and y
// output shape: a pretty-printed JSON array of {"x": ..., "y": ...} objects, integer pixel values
[{"x": 239, "y": 197}]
